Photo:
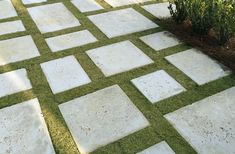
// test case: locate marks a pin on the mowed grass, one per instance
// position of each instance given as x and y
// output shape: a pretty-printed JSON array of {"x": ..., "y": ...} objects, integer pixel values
[{"x": 159, "y": 128}]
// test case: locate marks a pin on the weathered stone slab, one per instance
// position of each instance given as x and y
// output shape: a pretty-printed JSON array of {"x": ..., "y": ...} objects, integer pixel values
[
  {"x": 160, "y": 40},
  {"x": 208, "y": 125},
  {"x": 64, "y": 74},
  {"x": 52, "y": 17},
  {"x": 121, "y": 22},
  {"x": 117, "y": 3},
  {"x": 159, "y": 10},
  {"x": 17, "y": 49},
  {"x": 70, "y": 40},
  {"x": 23, "y": 130},
  {"x": 11, "y": 27},
  {"x": 160, "y": 148},
  {"x": 198, "y": 66},
  {"x": 7, "y": 9},
  {"x": 87, "y": 5},
  {"x": 157, "y": 86},
  {"x": 102, "y": 117},
  {"x": 14, "y": 82},
  {"x": 33, "y": 1},
  {"x": 119, "y": 57}
]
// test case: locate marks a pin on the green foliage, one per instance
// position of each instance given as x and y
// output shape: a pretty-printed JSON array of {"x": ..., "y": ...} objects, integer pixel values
[
  {"x": 180, "y": 13},
  {"x": 201, "y": 14},
  {"x": 225, "y": 20},
  {"x": 204, "y": 15}
]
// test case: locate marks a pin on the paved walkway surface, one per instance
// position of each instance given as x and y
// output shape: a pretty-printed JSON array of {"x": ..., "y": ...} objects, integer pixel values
[{"x": 105, "y": 76}]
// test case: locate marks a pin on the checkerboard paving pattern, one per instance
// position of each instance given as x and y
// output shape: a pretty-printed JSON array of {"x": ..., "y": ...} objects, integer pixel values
[{"x": 103, "y": 76}]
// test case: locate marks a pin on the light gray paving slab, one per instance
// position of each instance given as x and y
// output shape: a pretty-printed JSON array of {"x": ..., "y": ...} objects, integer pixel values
[
  {"x": 208, "y": 125},
  {"x": 64, "y": 74},
  {"x": 70, "y": 40},
  {"x": 52, "y": 17},
  {"x": 121, "y": 22},
  {"x": 7, "y": 9},
  {"x": 33, "y": 1},
  {"x": 102, "y": 117},
  {"x": 87, "y": 5},
  {"x": 160, "y": 40},
  {"x": 159, "y": 10},
  {"x": 14, "y": 82},
  {"x": 157, "y": 86},
  {"x": 198, "y": 66},
  {"x": 160, "y": 148},
  {"x": 11, "y": 27},
  {"x": 17, "y": 49},
  {"x": 23, "y": 130},
  {"x": 117, "y": 3},
  {"x": 119, "y": 57}
]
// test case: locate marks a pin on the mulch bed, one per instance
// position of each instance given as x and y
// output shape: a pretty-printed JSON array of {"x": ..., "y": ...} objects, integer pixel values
[{"x": 207, "y": 43}]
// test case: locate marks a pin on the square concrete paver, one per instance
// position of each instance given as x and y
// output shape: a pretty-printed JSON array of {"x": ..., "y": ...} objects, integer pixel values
[
  {"x": 71, "y": 40},
  {"x": 23, "y": 130},
  {"x": 17, "y": 49},
  {"x": 11, "y": 27},
  {"x": 33, "y": 1},
  {"x": 102, "y": 117},
  {"x": 52, "y": 17},
  {"x": 157, "y": 86},
  {"x": 160, "y": 40},
  {"x": 86, "y": 5},
  {"x": 14, "y": 82},
  {"x": 64, "y": 74},
  {"x": 119, "y": 57},
  {"x": 160, "y": 148},
  {"x": 159, "y": 10},
  {"x": 117, "y": 3},
  {"x": 208, "y": 125},
  {"x": 121, "y": 22},
  {"x": 198, "y": 66},
  {"x": 7, "y": 10}
]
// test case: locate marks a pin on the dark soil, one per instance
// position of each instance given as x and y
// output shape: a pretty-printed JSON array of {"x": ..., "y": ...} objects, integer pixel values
[{"x": 206, "y": 43}]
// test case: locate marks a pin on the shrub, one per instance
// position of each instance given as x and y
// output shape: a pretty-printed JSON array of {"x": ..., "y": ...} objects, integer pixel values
[
  {"x": 201, "y": 13},
  {"x": 225, "y": 20},
  {"x": 204, "y": 15},
  {"x": 180, "y": 13}
]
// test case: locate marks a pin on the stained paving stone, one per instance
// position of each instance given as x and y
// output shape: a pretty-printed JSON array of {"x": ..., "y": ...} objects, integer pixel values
[
  {"x": 117, "y": 3},
  {"x": 14, "y": 82},
  {"x": 121, "y": 22},
  {"x": 7, "y": 9},
  {"x": 198, "y": 66},
  {"x": 23, "y": 130},
  {"x": 11, "y": 27},
  {"x": 160, "y": 40},
  {"x": 208, "y": 125},
  {"x": 160, "y": 148},
  {"x": 157, "y": 86},
  {"x": 159, "y": 10},
  {"x": 52, "y": 17},
  {"x": 33, "y": 1},
  {"x": 64, "y": 74},
  {"x": 86, "y": 5},
  {"x": 70, "y": 40},
  {"x": 16, "y": 49},
  {"x": 102, "y": 117},
  {"x": 119, "y": 57}
]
